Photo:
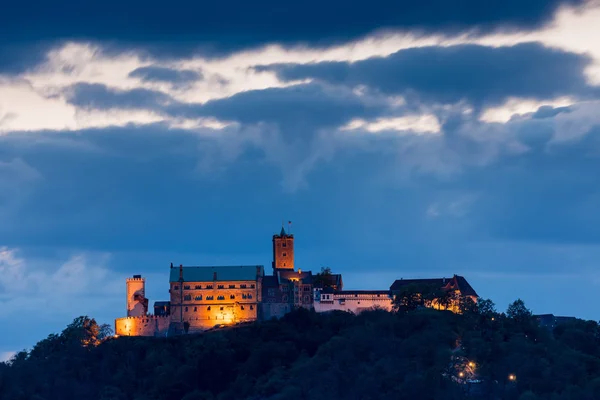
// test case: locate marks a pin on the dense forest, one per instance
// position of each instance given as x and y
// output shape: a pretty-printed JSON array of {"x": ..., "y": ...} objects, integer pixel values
[{"x": 413, "y": 353}]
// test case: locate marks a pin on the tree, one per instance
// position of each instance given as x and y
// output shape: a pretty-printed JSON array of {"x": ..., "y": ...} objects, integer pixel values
[
  {"x": 323, "y": 279},
  {"x": 82, "y": 331},
  {"x": 413, "y": 296},
  {"x": 486, "y": 307},
  {"x": 518, "y": 312}
]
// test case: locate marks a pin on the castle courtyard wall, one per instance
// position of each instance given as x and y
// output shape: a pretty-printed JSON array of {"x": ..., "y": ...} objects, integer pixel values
[{"x": 149, "y": 325}]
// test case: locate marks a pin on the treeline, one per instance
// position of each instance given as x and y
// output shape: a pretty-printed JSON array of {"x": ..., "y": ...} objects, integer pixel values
[{"x": 413, "y": 353}]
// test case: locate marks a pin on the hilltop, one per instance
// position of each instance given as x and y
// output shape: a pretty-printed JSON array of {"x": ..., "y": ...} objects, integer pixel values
[{"x": 415, "y": 354}]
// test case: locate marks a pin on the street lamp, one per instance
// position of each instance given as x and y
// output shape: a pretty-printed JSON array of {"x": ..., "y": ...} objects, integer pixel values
[{"x": 512, "y": 377}]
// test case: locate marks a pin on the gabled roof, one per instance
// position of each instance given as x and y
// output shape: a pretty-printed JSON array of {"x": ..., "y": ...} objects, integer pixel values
[
  {"x": 290, "y": 274},
  {"x": 208, "y": 274},
  {"x": 456, "y": 282}
]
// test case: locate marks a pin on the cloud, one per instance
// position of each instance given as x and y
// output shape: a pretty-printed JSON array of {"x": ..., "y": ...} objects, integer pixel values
[
  {"x": 410, "y": 123},
  {"x": 248, "y": 25},
  {"x": 82, "y": 278},
  {"x": 162, "y": 74},
  {"x": 480, "y": 75},
  {"x": 98, "y": 96},
  {"x": 7, "y": 355}
]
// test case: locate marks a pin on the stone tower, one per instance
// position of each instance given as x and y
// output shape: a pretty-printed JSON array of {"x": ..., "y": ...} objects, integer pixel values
[
  {"x": 283, "y": 250},
  {"x": 137, "y": 303}
]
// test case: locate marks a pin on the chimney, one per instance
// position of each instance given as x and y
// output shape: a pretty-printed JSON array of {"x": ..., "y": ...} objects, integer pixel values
[
  {"x": 171, "y": 265},
  {"x": 181, "y": 272}
]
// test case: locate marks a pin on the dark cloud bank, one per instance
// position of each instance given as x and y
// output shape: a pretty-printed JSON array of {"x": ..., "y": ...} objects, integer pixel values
[
  {"x": 478, "y": 74},
  {"x": 175, "y": 28}
]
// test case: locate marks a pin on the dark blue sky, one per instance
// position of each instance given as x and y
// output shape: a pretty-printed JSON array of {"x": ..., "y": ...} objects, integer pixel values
[{"x": 403, "y": 139}]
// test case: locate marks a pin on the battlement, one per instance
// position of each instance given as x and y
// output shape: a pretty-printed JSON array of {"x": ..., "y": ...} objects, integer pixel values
[
  {"x": 136, "y": 278},
  {"x": 149, "y": 316}
]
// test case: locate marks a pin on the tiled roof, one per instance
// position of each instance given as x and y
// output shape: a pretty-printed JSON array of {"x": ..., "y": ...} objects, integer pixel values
[
  {"x": 465, "y": 288},
  {"x": 353, "y": 292},
  {"x": 443, "y": 283},
  {"x": 207, "y": 274},
  {"x": 305, "y": 277}
]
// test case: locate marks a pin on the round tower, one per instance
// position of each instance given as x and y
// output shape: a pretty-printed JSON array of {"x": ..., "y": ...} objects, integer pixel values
[{"x": 137, "y": 304}]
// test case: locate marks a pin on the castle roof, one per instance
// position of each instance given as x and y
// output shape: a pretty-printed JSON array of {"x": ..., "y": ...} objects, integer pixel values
[
  {"x": 210, "y": 274},
  {"x": 289, "y": 274},
  {"x": 456, "y": 282}
]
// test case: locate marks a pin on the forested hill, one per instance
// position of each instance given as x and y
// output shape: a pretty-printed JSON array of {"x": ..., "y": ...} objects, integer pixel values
[{"x": 416, "y": 354}]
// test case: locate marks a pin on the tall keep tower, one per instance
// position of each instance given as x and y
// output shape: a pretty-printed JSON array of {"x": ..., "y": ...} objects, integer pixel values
[
  {"x": 283, "y": 250},
  {"x": 137, "y": 303}
]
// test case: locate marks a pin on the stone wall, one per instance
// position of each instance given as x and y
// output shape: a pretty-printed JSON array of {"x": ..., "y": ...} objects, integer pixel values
[
  {"x": 355, "y": 303},
  {"x": 274, "y": 310},
  {"x": 149, "y": 325}
]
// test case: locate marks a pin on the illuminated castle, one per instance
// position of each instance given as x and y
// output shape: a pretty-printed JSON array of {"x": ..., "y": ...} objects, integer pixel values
[{"x": 202, "y": 298}]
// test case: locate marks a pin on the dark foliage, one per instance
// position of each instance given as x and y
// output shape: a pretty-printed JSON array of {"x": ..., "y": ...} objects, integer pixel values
[{"x": 418, "y": 354}]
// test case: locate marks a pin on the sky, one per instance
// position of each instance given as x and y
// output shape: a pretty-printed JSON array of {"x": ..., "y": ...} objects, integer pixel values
[{"x": 402, "y": 139}]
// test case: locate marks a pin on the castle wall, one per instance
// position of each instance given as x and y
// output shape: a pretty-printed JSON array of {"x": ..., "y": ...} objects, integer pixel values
[
  {"x": 149, "y": 325},
  {"x": 274, "y": 310},
  {"x": 355, "y": 303},
  {"x": 206, "y": 304}
]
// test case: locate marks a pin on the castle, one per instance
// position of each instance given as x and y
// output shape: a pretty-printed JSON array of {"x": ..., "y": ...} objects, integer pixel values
[{"x": 202, "y": 298}]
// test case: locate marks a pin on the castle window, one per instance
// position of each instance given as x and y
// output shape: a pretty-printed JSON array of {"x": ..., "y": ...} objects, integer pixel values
[
  {"x": 284, "y": 254},
  {"x": 198, "y": 287},
  {"x": 231, "y": 286},
  {"x": 249, "y": 296},
  {"x": 306, "y": 288},
  {"x": 195, "y": 309},
  {"x": 252, "y": 286},
  {"x": 221, "y": 308},
  {"x": 186, "y": 287},
  {"x": 186, "y": 309},
  {"x": 176, "y": 287},
  {"x": 242, "y": 307},
  {"x": 199, "y": 297},
  {"x": 220, "y": 297},
  {"x": 220, "y": 286},
  {"x": 284, "y": 288},
  {"x": 251, "y": 307},
  {"x": 232, "y": 296},
  {"x": 283, "y": 244},
  {"x": 243, "y": 286},
  {"x": 208, "y": 308},
  {"x": 209, "y": 286},
  {"x": 284, "y": 298},
  {"x": 187, "y": 297},
  {"x": 210, "y": 297}
]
